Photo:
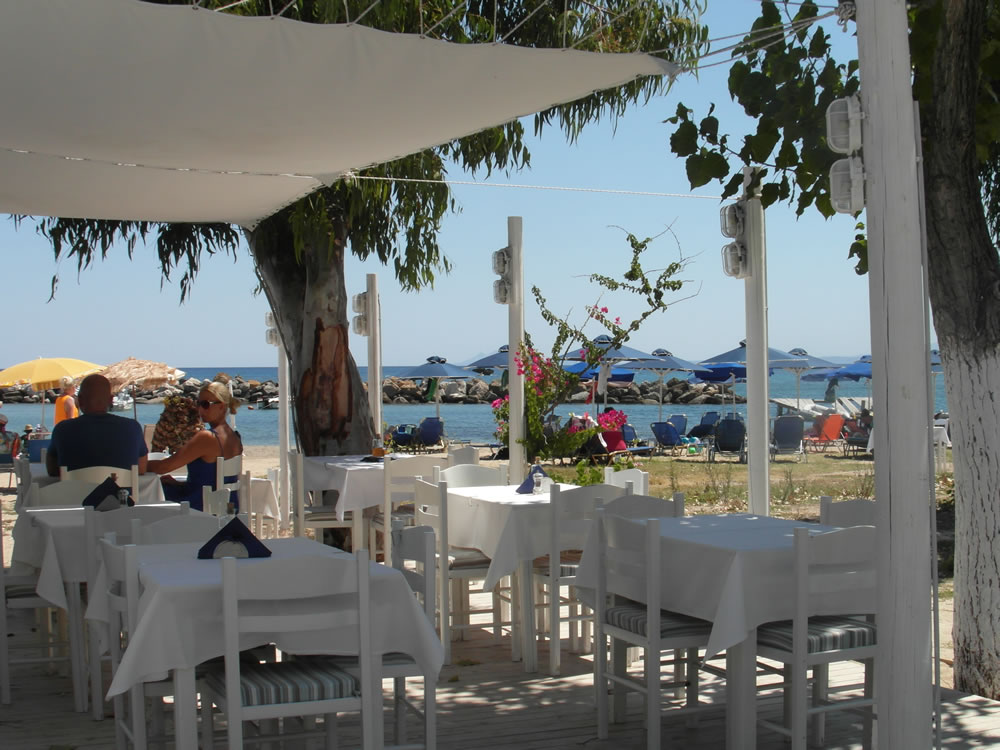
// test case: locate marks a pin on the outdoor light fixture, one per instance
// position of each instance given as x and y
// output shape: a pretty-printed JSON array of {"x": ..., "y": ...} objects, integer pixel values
[
  {"x": 847, "y": 185},
  {"x": 271, "y": 335},
  {"x": 501, "y": 267},
  {"x": 731, "y": 220},
  {"x": 735, "y": 261},
  {"x": 359, "y": 324},
  {"x": 843, "y": 125}
]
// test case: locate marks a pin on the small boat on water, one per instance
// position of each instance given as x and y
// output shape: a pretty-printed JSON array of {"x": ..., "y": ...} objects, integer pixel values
[
  {"x": 122, "y": 401},
  {"x": 270, "y": 403}
]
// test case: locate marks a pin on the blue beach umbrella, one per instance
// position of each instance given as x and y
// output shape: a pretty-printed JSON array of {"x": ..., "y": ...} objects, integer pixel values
[
  {"x": 809, "y": 363},
  {"x": 618, "y": 374},
  {"x": 663, "y": 362},
  {"x": 436, "y": 368},
  {"x": 495, "y": 361},
  {"x": 775, "y": 358},
  {"x": 609, "y": 353}
]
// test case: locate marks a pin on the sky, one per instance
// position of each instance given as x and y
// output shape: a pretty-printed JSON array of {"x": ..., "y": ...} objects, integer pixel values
[{"x": 119, "y": 308}]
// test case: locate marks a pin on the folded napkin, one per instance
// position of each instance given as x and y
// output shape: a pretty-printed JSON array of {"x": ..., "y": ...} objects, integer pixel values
[
  {"x": 233, "y": 540},
  {"x": 107, "y": 496},
  {"x": 528, "y": 485}
]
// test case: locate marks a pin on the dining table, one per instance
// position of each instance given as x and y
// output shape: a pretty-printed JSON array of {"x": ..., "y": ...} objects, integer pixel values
[
  {"x": 736, "y": 571},
  {"x": 53, "y": 541},
  {"x": 511, "y": 529},
  {"x": 180, "y": 621},
  {"x": 357, "y": 480}
]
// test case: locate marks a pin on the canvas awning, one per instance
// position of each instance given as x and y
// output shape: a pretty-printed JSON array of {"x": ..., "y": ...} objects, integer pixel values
[{"x": 120, "y": 109}]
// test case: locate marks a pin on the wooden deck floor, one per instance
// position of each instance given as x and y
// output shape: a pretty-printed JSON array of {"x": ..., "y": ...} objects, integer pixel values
[{"x": 487, "y": 701}]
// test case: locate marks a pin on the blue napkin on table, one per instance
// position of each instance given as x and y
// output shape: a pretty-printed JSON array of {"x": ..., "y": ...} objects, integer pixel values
[
  {"x": 528, "y": 485},
  {"x": 105, "y": 496},
  {"x": 233, "y": 540}
]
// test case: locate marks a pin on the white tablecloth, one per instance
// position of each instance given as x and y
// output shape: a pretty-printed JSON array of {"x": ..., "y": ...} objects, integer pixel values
[
  {"x": 359, "y": 483},
  {"x": 180, "y": 613},
  {"x": 264, "y": 499},
  {"x": 734, "y": 570},
  {"x": 53, "y": 540},
  {"x": 150, "y": 489},
  {"x": 506, "y": 527}
]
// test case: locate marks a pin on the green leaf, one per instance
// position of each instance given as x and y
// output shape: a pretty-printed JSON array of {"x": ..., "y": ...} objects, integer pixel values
[
  {"x": 684, "y": 140},
  {"x": 768, "y": 194},
  {"x": 703, "y": 167},
  {"x": 788, "y": 157},
  {"x": 709, "y": 129}
]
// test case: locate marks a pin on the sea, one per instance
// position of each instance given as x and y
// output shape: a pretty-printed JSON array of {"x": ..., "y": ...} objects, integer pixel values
[{"x": 471, "y": 422}]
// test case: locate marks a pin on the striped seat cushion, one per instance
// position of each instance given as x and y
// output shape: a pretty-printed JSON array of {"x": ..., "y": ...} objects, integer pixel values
[
  {"x": 832, "y": 633},
  {"x": 21, "y": 591},
  {"x": 459, "y": 557},
  {"x": 569, "y": 561},
  {"x": 632, "y": 617},
  {"x": 287, "y": 682}
]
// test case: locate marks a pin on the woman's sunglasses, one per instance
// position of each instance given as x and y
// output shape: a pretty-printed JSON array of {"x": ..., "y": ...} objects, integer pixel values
[{"x": 203, "y": 404}]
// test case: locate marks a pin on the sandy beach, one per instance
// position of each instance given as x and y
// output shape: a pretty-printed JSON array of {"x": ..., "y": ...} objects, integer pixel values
[{"x": 257, "y": 459}]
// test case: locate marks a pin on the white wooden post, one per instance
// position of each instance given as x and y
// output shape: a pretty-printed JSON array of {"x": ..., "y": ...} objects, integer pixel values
[
  {"x": 900, "y": 389},
  {"x": 515, "y": 330},
  {"x": 284, "y": 505},
  {"x": 374, "y": 314},
  {"x": 758, "y": 427}
]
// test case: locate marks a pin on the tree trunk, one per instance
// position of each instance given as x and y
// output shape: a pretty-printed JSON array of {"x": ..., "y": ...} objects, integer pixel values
[
  {"x": 309, "y": 302},
  {"x": 964, "y": 277}
]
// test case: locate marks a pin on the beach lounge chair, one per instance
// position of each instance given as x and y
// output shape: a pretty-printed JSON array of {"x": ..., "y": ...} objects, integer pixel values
[
  {"x": 829, "y": 433},
  {"x": 680, "y": 421},
  {"x": 402, "y": 434},
  {"x": 667, "y": 436},
  {"x": 634, "y": 445},
  {"x": 706, "y": 426},
  {"x": 730, "y": 440},
  {"x": 430, "y": 434},
  {"x": 786, "y": 438}
]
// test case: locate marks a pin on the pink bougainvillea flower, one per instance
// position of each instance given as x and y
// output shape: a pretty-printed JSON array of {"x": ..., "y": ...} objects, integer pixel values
[{"x": 604, "y": 309}]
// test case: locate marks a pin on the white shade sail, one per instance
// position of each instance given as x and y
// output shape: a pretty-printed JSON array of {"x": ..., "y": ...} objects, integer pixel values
[{"x": 120, "y": 109}]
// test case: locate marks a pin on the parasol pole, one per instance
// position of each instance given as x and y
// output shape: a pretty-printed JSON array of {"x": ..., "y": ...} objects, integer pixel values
[
  {"x": 135, "y": 409},
  {"x": 660, "y": 392}
]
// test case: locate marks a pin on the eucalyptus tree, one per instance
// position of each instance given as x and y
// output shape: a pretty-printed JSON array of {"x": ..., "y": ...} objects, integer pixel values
[
  {"x": 784, "y": 75},
  {"x": 299, "y": 252}
]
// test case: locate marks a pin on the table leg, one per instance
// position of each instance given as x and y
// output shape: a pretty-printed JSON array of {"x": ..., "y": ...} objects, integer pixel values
[
  {"x": 741, "y": 694},
  {"x": 78, "y": 669},
  {"x": 359, "y": 538},
  {"x": 185, "y": 709},
  {"x": 526, "y": 593}
]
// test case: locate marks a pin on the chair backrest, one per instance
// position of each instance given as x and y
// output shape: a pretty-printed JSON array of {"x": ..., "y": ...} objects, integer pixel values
[
  {"x": 69, "y": 492},
  {"x": 859, "y": 512},
  {"x": 680, "y": 421},
  {"x": 628, "y": 563},
  {"x": 466, "y": 454},
  {"x": 402, "y": 434},
  {"x": 709, "y": 418},
  {"x": 832, "y": 427},
  {"x": 832, "y": 570},
  {"x": 123, "y": 477},
  {"x": 125, "y": 523},
  {"x": 571, "y": 511},
  {"x": 398, "y": 476},
  {"x": 184, "y": 527},
  {"x": 249, "y": 593},
  {"x": 472, "y": 475},
  {"x": 666, "y": 434},
  {"x": 122, "y": 576},
  {"x": 215, "y": 502},
  {"x": 729, "y": 435},
  {"x": 416, "y": 544},
  {"x": 629, "y": 434},
  {"x": 430, "y": 430},
  {"x": 636, "y": 478},
  {"x": 35, "y": 448},
  {"x": 230, "y": 467},
  {"x": 646, "y": 506},
  {"x": 788, "y": 431}
]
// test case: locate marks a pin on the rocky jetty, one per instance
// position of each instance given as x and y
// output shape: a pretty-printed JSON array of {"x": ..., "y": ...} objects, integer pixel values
[{"x": 398, "y": 391}]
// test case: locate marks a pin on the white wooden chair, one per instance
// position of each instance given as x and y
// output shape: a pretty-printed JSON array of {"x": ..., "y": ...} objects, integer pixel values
[
  {"x": 122, "y": 590},
  {"x": 215, "y": 501},
  {"x": 307, "y": 514},
  {"x": 845, "y": 513},
  {"x": 17, "y": 592},
  {"x": 251, "y": 597},
  {"x": 646, "y": 506},
  {"x": 464, "y": 454},
  {"x": 454, "y": 566},
  {"x": 629, "y": 567},
  {"x": 398, "y": 476},
  {"x": 571, "y": 511},
  {"x": 413, "y": 554},
  {"x": 837, "y": 562},
  {"x": 472, "y": 475},
  {"x": 97, "y": 474},
  {"x": 68, "y": 492},
  {"x": 637, "y": 478}
]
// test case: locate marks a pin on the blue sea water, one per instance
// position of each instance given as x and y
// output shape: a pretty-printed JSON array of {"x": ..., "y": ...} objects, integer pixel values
[{"x": 462, "y": 421}]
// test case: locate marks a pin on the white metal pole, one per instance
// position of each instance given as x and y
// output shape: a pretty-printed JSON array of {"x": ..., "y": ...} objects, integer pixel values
[
  {"x": 899, "y": 367},
  {"x": 283, "y": 413},
  {"x": 374, "y": 314},
  {"x": 758, "y": 429},
  {"x": 515, "y": 329}
]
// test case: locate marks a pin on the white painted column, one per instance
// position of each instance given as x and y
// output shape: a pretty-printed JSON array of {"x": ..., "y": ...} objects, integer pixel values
[
  {"x": 374, "y": 314},
  {"x": 284, "y": 507},
  {"x": 515, "y": 330},
  {"x": 758, "y": 427},
  {"x": 900, "y": 390}
]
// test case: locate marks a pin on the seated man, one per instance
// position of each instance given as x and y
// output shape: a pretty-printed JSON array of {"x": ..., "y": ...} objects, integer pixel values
[
  {"x": 9, "y": 441},
  {"x": 96, "y": 438}
]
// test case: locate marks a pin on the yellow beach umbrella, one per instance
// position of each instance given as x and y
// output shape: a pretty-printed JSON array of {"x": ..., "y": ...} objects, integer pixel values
[{"x": 45, "y": 372}]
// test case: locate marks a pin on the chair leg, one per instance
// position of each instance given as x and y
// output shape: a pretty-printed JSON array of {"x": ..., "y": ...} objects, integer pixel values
[
  {"x": 94, "y": 664},
  {"x": 798, "y": 707},
  {"x": 618, "y": 667},
  {"x": 651, "y": 666},
  {"x": 399, "y": 709},
  {"x": 820, "y": 692},
  {"x": 430, "y": 712},
  {"x": 207, "y": 723},
  {"x": 601, "y": 683},
  {"x": 869, "y": 717}
]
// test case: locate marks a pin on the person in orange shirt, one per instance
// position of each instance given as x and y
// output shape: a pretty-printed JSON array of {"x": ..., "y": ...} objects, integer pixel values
[{"x": 66, "y": 407}]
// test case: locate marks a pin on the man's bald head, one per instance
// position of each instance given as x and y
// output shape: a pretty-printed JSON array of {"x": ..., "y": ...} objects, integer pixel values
[{"x": 95, "y": 395}]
